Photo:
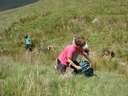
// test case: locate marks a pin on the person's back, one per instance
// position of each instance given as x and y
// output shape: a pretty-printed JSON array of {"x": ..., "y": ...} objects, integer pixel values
[
  {"x": 69, "y": 52},
  {"x": 28, "y": 42}
]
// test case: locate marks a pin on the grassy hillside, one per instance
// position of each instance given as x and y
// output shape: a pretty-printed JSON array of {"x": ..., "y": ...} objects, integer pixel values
[
  {"x": 40, "y": 79},
  {"x": 103, "y": 23}
]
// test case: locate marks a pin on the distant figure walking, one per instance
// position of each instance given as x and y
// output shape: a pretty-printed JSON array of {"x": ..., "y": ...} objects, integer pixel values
[{"x": 28, "y": 42}]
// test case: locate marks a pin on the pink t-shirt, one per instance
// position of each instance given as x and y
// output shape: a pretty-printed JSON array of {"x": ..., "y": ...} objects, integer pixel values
[{"x": 71, "y": 52}]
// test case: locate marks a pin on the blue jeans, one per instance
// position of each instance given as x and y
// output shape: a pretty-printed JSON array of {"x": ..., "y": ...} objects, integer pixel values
[{"x": 28, "y": 47}]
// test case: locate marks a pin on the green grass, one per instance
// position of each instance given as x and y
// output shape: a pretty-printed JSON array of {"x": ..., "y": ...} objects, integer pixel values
[
  {"x": 40, "y": 79},
  {"x": 47, "y": 22},
  {"x": 54, "y": 22}
]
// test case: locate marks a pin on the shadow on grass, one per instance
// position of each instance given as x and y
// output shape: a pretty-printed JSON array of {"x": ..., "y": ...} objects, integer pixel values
[{"x": 10, "y": 4}]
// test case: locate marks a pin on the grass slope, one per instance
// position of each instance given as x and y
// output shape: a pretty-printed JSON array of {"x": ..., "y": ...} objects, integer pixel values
[
  {"x": 103, "y": 23},
  {"x": 40, "y": 79}
]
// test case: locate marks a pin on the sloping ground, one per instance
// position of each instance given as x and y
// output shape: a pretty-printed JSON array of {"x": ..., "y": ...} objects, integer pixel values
[
  {"x": 40, "y": 79},
  {"x": 54, "y": 22}
]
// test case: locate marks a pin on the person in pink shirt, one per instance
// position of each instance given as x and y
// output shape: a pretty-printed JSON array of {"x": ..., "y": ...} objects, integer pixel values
[{"x": 67, "y": 58}]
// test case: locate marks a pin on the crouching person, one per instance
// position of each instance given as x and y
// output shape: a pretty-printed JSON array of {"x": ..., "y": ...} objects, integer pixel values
[{"x": 67, "y": 58}]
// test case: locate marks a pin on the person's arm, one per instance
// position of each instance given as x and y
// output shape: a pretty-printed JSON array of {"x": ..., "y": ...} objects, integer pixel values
[
  {"x": 74, "y": 65},
  {"x": 87, "y": 57}
]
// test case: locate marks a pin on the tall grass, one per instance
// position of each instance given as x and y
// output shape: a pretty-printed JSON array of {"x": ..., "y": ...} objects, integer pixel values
[
  {"x": 40, "y": 79},
  {"x": 64, "y": 17},
  {"x": 103, "y": 23}
]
